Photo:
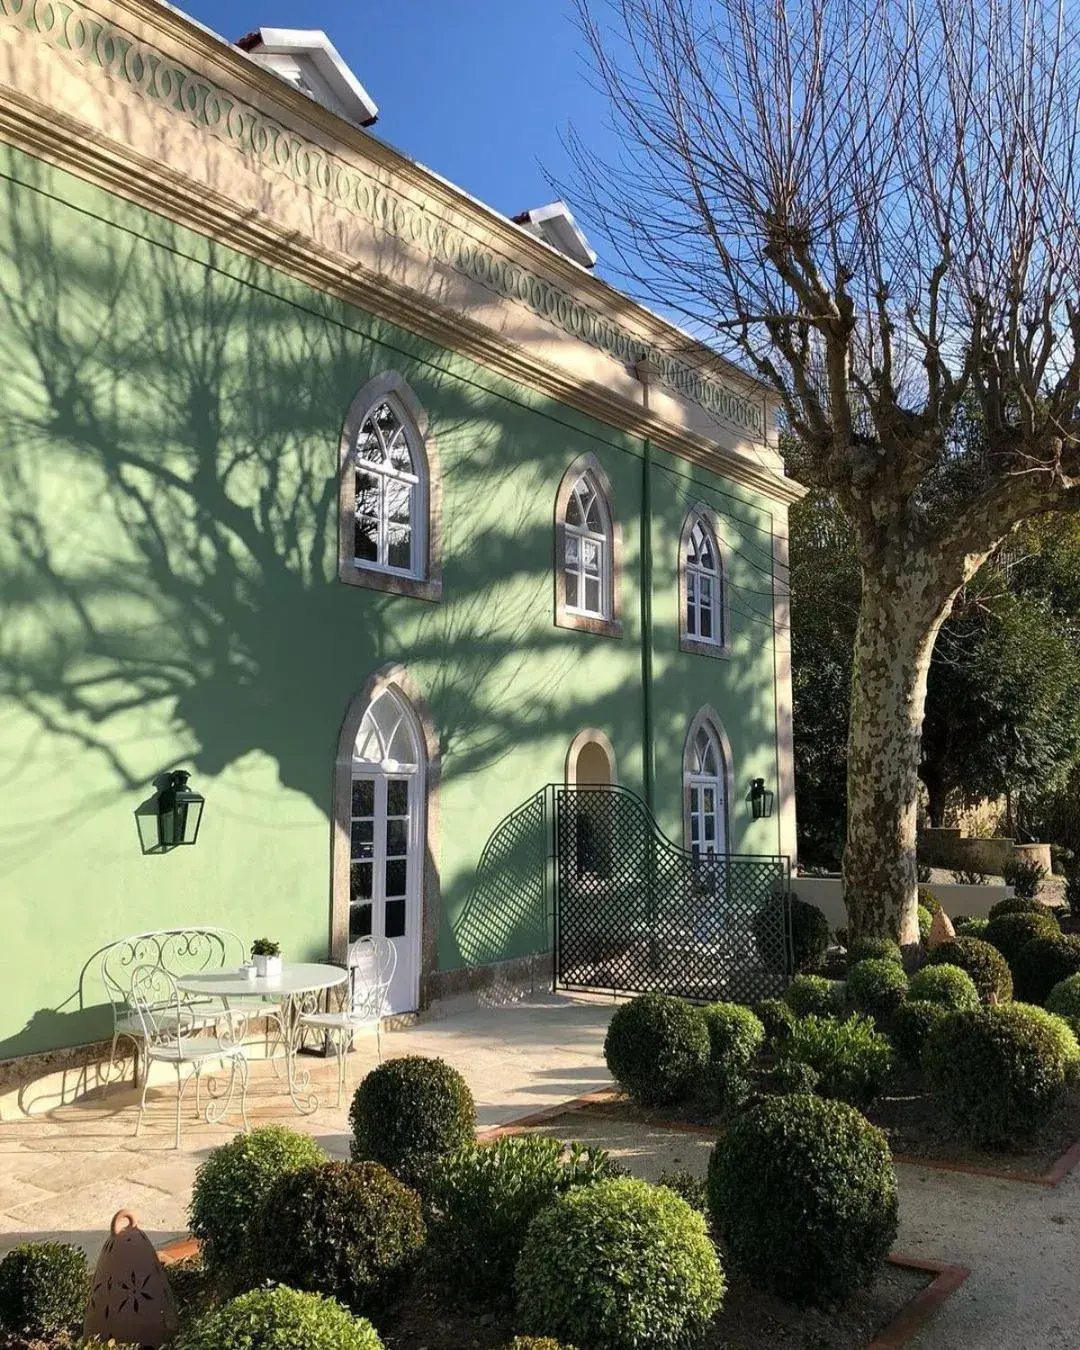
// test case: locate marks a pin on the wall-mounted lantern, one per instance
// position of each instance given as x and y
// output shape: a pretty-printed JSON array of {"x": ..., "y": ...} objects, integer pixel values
[
  {"x": 179, "y": 811},
  {"x": 759, "y": 800}
]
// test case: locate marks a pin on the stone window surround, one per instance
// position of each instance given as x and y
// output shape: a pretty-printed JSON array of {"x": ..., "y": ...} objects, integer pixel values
[
  {"x": 565, "y": 618},
  {"x": 707, "y": 717},
  {"x": 695, "y": 645},
  {"x": 587, "y": 736},
  {"x": 390, "y": 384},
  {"x": 396, "y": 677}
]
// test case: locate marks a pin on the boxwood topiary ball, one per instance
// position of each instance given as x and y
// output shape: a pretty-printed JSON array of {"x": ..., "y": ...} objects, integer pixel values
[
  {"x": 348, "y": 1230},
  {"x": 913, "y": 1022},
  {"x": 735, "y": 1037},
  {"x": 657, "y": 1048},
  {"x": 970, "y": 925},
  {"x": 231, "y": 1185},
  {"x": 1043, "y": 962},
  {"x": 996, "y": 1074},
  {"x": 408, "y": 1112},
  {"x": 948, "y": 986},
  {"x": 813, "y": 995},
  {"x": 617, "y": 1266},
  {"x": 803, "y": 1194},
  {"x": 1015, "y": 904},
  {"x": 877, "y": 988},
  {"x": 279, "y": 1319},
  {"x": 43, "y": 1288},
  {"x": 777, "y": 1019},
  {"x": 1009, "y": 932},
  {"x": 926, "y": 922},
  {"x": 874, "y": 949},
  {"x": 984, "y": 963},
  {"x": 809, "y": 936},
  {"x": 1064, "y": 998}
]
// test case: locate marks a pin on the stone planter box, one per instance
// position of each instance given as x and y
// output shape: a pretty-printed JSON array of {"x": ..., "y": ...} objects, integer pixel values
[{"x": 827, "y": 893}]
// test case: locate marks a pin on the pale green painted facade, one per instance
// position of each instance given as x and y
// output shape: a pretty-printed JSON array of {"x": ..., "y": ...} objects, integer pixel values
[{"x": 169, "y": 438}]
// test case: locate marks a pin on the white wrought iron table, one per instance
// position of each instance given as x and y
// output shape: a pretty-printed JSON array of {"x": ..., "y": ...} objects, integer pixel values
[{"x": 282, "y": 995}]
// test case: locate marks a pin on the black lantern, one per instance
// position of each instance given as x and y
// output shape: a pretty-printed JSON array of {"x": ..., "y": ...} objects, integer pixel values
[
  {"x": 179, "y": 811},
  {"x": 759, "y": 800}
]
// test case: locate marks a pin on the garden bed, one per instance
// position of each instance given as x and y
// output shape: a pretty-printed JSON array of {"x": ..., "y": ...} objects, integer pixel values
[
  {"x": 907, "y": 1116},
  {"x": 748, "y": 1321}
]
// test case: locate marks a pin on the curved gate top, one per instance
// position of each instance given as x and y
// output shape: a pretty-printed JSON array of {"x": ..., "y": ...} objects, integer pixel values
[{"x": 634, "y": 912}]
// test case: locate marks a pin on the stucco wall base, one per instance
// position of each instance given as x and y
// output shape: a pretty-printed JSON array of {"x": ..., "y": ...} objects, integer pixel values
[{"x": 492, "y": 985}]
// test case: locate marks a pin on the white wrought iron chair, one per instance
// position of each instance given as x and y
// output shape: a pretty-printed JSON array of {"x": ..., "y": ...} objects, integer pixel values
[
  {"x": 371, "y": 963},
  {"x": 178, "y": 951},
  {"x": 173, "y": 1032}
]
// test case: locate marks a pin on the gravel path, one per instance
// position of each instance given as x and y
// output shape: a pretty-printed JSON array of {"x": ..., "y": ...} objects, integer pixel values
[{"x": 1020, "y": 1241}]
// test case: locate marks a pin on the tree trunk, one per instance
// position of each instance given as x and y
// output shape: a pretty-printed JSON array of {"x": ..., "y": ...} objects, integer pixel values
[{"x": 901, "y": 611}]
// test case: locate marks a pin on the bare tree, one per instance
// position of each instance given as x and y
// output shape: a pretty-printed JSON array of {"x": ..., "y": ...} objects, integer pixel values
[{"x": 873, "y": 203}]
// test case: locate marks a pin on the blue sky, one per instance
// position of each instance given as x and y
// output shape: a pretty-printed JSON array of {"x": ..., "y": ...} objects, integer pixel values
[{"x": 477, "y": 90}]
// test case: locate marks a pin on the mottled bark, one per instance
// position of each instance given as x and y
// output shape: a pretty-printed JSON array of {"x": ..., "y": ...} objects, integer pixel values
[{"x": 902, "y": 610}]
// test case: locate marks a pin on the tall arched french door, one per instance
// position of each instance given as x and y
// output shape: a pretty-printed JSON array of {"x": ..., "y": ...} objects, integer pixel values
[
  {"x": 705, "y": 780},
  {"x": 386, "y": 838}
]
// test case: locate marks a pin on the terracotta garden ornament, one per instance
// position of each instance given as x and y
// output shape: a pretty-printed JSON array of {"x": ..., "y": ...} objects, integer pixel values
[{"x": 130, "y": 1299}]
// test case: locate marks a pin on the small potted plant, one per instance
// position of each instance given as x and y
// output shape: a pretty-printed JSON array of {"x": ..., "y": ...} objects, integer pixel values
[{"x": 267, "y": 958}]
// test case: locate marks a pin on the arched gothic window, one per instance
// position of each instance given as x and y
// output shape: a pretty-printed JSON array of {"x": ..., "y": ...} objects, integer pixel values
[
  {"x": 705, "y": 775},
  {"x": 702, "y": 587},
  {"x": 389, "y": 493},
  {"x": 587, "y": 561}
]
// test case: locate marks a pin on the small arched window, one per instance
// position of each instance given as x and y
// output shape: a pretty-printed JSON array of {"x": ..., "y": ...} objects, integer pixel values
[
  {"x": 705, "y": 786},
  {"x": 587, "y": 549},
  {"x": 703, "y": 588},
  {"x": 389, "y": 493},
  {"x": 389, "y": 487}
]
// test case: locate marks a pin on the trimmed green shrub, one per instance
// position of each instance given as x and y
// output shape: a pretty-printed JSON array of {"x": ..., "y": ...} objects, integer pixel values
[
  {"x": 278, "y": 1319},
  {"x": 874, "y": 949},
  {"x": 809, "y": 937},
  {"x": 43, "y": 1288},
  {"x": 231, "y": 1185},
  {"x": 484, "y": 1198},
  {"x": 1064, "y": 998},
  {"x": 657, "y": 1048},
  {"x": 926, "y": 922},
  {"x": 803, "y": 1194},
  {"x": 692, "y": 1188},
  {"x": 618, "y": 1266},
  {"x": 929, "y": 900},
  {"x": 949, "y": 986},
  {"x": 777, "y": 1019},
  {"x": 735, "y": 1037},
  {"x": 1042, "y": 963},
  {"x": 970, "y": 925},
  {"x": 349, "y": 1230},
  {"x": 537, "y": 1343},
  {"x": 849, "y": 1059},
  {"x": 407, "y": 1113},
  {"x": 1009, "y": 932},
  {"x": 1063, "y": 1032},
  {"x": 1025, "y": 876},
  {"x": 877, "y": 988},
  {"x": 996, "y": 1074},
  {"x": 984, "y": 963},
  {"x": 1017, "y": 904},
  {"x": 913, "y": 1022},
  {"x": 813, "y": 994}
]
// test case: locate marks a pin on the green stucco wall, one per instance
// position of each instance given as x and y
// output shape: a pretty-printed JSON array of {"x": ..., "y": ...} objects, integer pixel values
[{"x": 170, "y": 414}]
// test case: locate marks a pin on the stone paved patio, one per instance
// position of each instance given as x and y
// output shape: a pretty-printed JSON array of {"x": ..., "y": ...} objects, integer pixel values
[{"x": 65, "y": 1173}]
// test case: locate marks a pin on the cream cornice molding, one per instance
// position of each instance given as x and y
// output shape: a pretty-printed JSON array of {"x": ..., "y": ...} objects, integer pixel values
[{"x": 68, "y": 143}]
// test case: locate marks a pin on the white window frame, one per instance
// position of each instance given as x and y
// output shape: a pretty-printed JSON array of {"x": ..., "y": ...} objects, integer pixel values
[
  {"x": 386, "y": 473},
  {"x": 422, "y": 579},
  {"x": 584, "y": 492},
  {"x": 695, "y": 782},
  {"x": 693, "y": 577}
]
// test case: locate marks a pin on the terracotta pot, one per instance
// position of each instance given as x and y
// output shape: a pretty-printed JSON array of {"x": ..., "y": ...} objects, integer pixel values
[{"x": 130, "y": 1299}]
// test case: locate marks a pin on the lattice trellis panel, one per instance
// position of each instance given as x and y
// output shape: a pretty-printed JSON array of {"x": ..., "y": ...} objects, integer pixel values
[
  {"x": 636, "y": 913},
  {"x": 507, "y": 908}
]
